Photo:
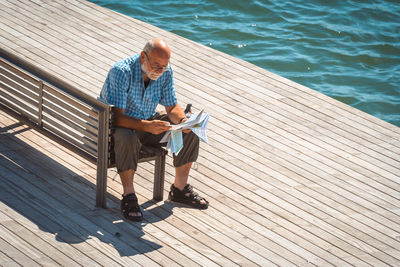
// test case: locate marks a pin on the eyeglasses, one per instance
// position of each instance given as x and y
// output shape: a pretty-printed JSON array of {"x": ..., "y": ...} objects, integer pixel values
[{"x": 156, "y": 67}]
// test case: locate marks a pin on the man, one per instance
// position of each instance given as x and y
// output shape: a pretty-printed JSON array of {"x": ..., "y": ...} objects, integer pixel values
[{"x": 135, "y": 86}]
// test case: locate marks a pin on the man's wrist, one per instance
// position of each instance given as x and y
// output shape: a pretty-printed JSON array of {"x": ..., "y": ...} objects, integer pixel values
[{"x": 180, "y": 121}]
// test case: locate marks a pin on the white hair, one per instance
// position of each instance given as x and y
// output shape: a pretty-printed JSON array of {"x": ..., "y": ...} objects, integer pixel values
[{"x": 148, "y": 46}]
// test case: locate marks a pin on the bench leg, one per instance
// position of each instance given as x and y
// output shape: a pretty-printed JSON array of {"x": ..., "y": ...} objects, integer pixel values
[
  {"x": 101, "y": 186},
  {"x": 159, "y": 175},
  {"x": 102, "y": 158}
]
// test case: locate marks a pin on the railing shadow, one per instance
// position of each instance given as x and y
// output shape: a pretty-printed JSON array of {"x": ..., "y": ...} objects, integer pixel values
[{"x": 62, "y": 202}]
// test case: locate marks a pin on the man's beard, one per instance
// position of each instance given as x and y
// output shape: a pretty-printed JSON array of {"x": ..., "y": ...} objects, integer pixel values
[{"x": 152, "y": 75}]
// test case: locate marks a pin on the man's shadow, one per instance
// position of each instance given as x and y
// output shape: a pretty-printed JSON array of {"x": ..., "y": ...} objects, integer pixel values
[{"x": 62, "y": 202}]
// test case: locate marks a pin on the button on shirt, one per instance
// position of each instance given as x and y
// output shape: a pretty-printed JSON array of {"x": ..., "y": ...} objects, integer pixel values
[{"x": 124, "y": 88}]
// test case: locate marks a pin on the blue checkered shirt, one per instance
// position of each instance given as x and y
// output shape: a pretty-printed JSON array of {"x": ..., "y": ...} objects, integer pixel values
[{"x": 124, "y": 88}]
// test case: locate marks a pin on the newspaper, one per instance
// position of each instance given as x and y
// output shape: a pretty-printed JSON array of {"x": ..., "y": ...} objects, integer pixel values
[{"x": 197, "y": 123}]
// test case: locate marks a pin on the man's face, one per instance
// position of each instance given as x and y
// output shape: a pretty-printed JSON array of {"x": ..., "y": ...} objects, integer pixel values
[{"x": 154, "y": 65}]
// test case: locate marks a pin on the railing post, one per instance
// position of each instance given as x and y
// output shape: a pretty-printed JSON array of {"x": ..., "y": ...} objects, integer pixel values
[
  {"x": 40, "y": 108},
  {"x": 102, "y": 157}
]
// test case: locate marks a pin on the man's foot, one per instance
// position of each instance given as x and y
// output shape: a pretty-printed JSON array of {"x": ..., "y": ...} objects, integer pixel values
[
  {"x": 130, "y": 208},
  {"x": 187, "y": 196}
]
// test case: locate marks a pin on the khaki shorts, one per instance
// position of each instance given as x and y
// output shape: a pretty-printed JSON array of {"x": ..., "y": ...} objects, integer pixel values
[{"x": 127, "y": 144}]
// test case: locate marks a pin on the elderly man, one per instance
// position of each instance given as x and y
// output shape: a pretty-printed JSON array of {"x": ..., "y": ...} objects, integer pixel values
[{"x": 135, "y": 86}]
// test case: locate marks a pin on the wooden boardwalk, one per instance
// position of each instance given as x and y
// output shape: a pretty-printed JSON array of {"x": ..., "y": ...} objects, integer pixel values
[{"x": 293, "y": 176}]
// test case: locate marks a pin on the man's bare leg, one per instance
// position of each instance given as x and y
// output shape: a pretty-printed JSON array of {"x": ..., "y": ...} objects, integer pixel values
[
  {"x": 127, "y": 181},
  {"x": 181, "y": 177},
  {"x": 127, "y": 185}
]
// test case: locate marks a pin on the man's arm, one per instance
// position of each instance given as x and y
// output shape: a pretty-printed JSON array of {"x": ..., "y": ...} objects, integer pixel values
[
  {"x": 154, "y": 126},
  {"x": 176, "y": 114}
]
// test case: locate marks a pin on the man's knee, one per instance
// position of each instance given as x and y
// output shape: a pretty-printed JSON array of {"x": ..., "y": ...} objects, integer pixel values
[
  {"x": 191, "y": 139},
  {"x": 126, "y": 148},
  {"x": 190, "y": 150}
]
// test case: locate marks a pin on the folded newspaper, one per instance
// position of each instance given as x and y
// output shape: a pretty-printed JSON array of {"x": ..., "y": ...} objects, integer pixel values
[{"x": 197, "y": 123}]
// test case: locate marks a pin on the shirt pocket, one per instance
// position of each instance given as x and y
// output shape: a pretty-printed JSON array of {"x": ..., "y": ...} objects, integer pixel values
[{"x": 153, "y": 101}]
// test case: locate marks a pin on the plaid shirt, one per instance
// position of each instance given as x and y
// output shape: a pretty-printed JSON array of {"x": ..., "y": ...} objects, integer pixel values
[{"x": 124, "y": 88}]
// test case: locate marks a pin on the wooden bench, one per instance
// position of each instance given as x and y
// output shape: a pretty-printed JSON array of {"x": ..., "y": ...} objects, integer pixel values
[{"x": 68, "y": 116}]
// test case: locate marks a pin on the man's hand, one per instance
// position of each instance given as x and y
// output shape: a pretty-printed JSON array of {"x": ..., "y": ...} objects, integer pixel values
[
  {"x": 157, "y": 126},
  {"x": 187, "y": 130}
]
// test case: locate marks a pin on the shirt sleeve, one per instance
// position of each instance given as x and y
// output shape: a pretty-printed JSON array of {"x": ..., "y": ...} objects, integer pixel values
[
  {"x": 168, "y": 96},
  {"x": 115, "y": 88}
]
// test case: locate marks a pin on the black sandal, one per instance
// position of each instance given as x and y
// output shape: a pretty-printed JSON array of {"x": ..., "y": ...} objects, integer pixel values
[
  {"x": 129, "y": 203},
  {"x": 187, "y": 196}
]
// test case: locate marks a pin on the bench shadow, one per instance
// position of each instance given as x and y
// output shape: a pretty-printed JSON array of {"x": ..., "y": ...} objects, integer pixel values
[{"x": 53, "y": 199}]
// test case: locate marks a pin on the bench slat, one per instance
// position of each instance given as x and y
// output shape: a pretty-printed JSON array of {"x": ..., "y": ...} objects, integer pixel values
[
  {"x": 19, "y": 80},
  {"x": 84, "y": 125},
  {"x": 19, "y": 106},
  {"x": 67, "y": 120},
  {"x": 72, "y": 144},
  {"x": 11, "y": 68},
  {"x": 86, "y": 116},
  {"x": 19, "y": 91},
  {"x": 78, "y": 105},
  {"x": 64, "y": 132}
]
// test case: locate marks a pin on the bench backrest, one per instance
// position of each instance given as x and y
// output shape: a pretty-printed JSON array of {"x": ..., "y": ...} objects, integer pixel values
[{"x": 55, "y": 108}]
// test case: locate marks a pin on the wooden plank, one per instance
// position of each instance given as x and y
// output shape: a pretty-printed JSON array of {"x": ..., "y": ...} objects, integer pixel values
[
  {"x": 295, "y": 122},
  {"x": 306, "y": 174},
  {"x": 301, "y": 197},
  {"x": 28, "y": 237},
  {"x": 68, "y": 249},
  {"x": 40, "y": 58},
  {"x": 63, "y": 55},
  {"x": 279, "y": 221},
  {"x": 239, "y": 227},
  {"x": 29, "y": 250},
  {"x": 394, "y": 169},
  {"x": 7, "y": 261},
  {"x": 16, "y": 255}
]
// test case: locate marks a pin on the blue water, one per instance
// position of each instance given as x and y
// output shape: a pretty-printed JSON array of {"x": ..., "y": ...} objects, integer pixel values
[{"x": 345, "y": 49}]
